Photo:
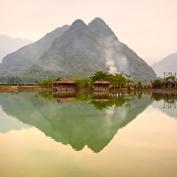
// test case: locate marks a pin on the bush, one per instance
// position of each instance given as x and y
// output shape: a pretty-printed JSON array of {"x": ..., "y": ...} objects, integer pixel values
[
  {"x": 116, "y": 80},
  {"x": 84, "y": 82},
  {"x": 157, "y": 84},
  {"x": 47, "y": 82}
]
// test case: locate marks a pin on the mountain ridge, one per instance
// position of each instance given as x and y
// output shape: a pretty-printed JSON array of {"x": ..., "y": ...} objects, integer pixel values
[
  {"x": 78, "y": 49},
  {"x": 10, "y": 44},
  {"x": 166, "y": 64}
]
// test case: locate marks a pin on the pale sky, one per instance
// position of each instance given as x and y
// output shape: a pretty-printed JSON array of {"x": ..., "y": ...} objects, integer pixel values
[{"x": 149, "y": 27}]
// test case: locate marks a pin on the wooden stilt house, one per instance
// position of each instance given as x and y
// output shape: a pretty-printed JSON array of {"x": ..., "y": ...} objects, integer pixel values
[
  {"x": 64, "y": 84},
  {"x": 101, "y": 86}
]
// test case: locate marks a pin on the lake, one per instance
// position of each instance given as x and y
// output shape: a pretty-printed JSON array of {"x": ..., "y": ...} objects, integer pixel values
[{"x": 87, "y": 136}]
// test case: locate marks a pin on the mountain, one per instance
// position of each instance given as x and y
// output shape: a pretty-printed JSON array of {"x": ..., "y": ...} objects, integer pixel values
[
  {"x": 79, "y": 49},
  {"x": 8, "y": 123},
  {"x": 21, "y": 60},
  {"x": 9, "y": 45},
  {"x": 167, "y": 64}
]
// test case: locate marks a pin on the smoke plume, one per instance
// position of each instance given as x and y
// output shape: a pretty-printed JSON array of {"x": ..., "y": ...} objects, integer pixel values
[{"x": 115, "y": 61}]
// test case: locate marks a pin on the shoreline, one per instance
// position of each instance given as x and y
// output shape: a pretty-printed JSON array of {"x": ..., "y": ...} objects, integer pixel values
[{"x": 14, "y": 88}]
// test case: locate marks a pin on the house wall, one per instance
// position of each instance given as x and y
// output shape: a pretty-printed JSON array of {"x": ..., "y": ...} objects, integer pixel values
[
  {"x": 101, "y": 88},
  {"x": 64, "y": 87}
]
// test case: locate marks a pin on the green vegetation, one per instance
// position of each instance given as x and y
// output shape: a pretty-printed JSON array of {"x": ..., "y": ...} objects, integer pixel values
[
  {"x": 46, "y": 82},
  {"x": 157, "y": 84},
  {"x": 83, "y": 82},
  {"x": 168, "y": 97},
  {"x": 116, "y": 80},
  {"x": 46, "y": 95}
]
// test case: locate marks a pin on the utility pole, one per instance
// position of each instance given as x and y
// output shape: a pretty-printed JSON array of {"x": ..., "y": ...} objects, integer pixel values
[
  {"x": 175, "y": 81},
  {"x": 164, "y": 80}
]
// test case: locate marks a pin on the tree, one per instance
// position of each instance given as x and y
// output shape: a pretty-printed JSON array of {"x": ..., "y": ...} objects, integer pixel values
[
  {"x": 83, "y": 82},
  {"x": 116, "y": 80},
  {"x": 139, "y": 85},
  {"x": 46, "y": 82},
  {"x": 157, "y": 84},
  {"x": 100, "y": 75}
]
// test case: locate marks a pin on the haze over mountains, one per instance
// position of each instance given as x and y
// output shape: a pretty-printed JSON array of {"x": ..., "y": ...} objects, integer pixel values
[
  {"x": 167, "y": 64},
  {"x": 74, "y": 50},
  {"x": 9, "y": 45}
]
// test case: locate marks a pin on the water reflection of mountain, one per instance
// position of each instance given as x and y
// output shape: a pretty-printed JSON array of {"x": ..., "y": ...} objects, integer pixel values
[
  {"x": 78, "y": 123},
  {"x": 8, "y": 123},
  {"x": 166, "y": 102}
]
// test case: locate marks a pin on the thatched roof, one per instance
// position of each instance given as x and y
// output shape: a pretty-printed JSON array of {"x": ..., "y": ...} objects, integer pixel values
[
  {"x": 101, "y": 81},
  {"x": 64, "y": 80}
]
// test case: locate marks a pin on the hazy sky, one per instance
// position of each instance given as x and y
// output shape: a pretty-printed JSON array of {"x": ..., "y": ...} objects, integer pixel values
[{"x": 149, "y": 27}]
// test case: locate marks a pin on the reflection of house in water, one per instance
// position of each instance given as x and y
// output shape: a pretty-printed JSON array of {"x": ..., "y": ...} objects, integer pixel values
[
  {"x": 64, "y": 94},
  {"x": 101, "y": 91},
  {"x": 101, "y": 95},
  {"x": 64, "y": 88},
  {"x": 101, "y": 103},
  {"x": 64, "y": 84},
  {"x": 101, "y": 86}
]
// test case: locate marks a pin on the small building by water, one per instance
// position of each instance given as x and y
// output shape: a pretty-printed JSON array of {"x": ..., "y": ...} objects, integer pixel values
[
  {"x": 64, "y": 84},
  {"x": 101, "y": 86},
  {"x": 170, "y": 82}
]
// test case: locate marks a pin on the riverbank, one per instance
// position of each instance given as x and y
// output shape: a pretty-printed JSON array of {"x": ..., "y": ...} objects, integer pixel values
[
  {"x": 145, "y": 90},
  {"x": 16, "y": 88}
]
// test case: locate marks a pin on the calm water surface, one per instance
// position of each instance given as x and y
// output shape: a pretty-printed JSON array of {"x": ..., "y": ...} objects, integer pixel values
[{"x": 130, "y": 135}]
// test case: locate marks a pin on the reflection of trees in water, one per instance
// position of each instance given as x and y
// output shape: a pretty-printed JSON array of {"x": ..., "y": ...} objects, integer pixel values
[
  {"x": 99, "y": 100},
  {"x": 117, "y": 101},
  {"x": 169, "y": 99},
  {"x": 80, "y": 122}
]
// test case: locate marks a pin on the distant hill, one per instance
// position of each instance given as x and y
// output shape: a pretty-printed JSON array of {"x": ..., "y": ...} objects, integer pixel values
[
  {"x": 79, "y": 49},
  {"x": 167, "y": 64},
  {"x": 9, "y": 45}
]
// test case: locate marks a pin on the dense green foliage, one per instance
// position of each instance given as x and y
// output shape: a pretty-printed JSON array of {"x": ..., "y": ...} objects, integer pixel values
[
  {"x": 116, "y": 80},
  {"x": 47, "y": 82},
  {"x": 157, "y": 84},
  {"x": 83, "y": 82}
]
